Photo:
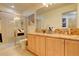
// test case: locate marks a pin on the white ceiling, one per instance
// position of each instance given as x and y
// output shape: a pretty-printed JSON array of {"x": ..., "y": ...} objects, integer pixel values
[
  {"x": 27, "y": 8},
  {"x": 51, "y": 7},
  {"x": 21, "y": 7}
]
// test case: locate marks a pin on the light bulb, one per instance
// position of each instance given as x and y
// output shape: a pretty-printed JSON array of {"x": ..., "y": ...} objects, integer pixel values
[
  {"x": 12, "y": 6},
  {"x": 16, "y": 18},
  {"x": 46, "y": 5}
]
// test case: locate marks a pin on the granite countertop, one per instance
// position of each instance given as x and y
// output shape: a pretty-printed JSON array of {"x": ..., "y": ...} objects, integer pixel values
[{"x": 61, "y": 36}]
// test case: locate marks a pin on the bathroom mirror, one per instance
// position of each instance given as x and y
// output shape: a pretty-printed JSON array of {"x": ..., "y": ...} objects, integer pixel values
[
  {"x": 69, "y": 19},
  {"x": 58, "y": 16}
]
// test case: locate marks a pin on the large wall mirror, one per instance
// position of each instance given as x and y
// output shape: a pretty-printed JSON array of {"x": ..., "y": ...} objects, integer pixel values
[{"x": 69, "y": 19}]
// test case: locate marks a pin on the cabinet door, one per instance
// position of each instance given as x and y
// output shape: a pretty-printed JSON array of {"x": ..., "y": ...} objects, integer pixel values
[
  {"x": 37, "y": 46},
  {"x": 71, "y": 48},
  {"x": 54, "y": 47},
  {"x": 31, "y": 43},
  {"x": 40, "y": 45}
]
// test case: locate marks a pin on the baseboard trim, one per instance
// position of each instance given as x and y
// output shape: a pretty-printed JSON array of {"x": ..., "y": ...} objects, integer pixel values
[{"x": 31, "y": 52}]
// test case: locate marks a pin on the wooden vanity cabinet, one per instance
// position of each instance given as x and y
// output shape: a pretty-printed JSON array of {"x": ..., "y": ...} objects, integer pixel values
[
  {"x": 40, "y": 45},
  {"x": 71, "y": 48},
  {"x": 50, "y": 46},
  {"x": 54, "y": 47},
  {"x": 31, "y": 43},
  {"x": 36, "y": 44}
]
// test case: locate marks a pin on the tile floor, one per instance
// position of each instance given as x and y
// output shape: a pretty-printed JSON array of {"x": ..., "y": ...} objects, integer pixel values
[{"x": 12, "y": 50}]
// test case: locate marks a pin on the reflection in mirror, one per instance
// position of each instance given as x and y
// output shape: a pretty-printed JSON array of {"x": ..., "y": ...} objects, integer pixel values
[
  {"x": 60, "y": 17},
  {"x": 69, "y": 19}
]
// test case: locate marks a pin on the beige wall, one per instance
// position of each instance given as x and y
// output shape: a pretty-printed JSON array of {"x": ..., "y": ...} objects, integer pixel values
[
  {"x": 32, "y": 27},
  {"x": 54, "y": 16},
  {"x": 78, "y": 15}
]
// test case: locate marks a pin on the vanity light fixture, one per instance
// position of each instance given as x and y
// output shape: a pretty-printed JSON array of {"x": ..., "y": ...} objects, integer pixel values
[
  {"x": 12, "y": 6},
  {"x": 47, "y": 4},
  {"x": 16, "y": 18}
]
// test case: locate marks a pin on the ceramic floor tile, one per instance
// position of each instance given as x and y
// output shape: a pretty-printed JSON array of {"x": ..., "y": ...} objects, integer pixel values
[{"x": 14, "y": 51}]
